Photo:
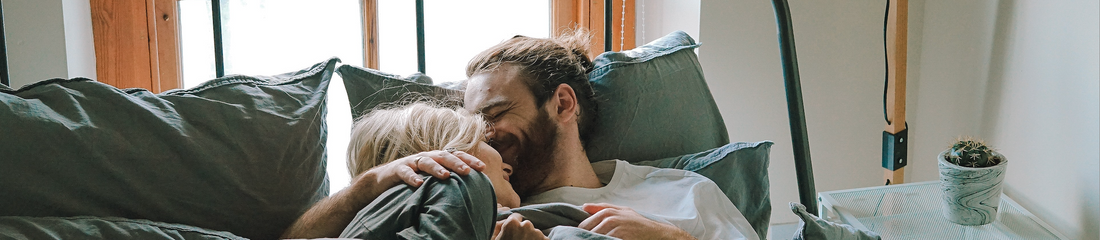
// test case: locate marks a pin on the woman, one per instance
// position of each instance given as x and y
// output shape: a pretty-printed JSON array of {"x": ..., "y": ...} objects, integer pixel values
[
  {"x": 446, "y": 206},
  {"x": 456, "y": 207}
]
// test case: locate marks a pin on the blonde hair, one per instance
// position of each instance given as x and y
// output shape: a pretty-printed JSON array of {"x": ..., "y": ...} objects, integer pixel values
[{"x": 384, "y": 135}]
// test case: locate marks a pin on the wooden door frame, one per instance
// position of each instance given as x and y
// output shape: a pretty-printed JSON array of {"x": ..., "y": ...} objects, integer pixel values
[
  {"x": 589, "y": 15},
  {"x": 137, "y": 43}
]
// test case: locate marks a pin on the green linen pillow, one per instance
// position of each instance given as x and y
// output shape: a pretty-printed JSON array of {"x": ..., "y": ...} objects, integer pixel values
[
  {"x": 654, "y": 103},
  {"x": 243, "y": 154},
  {"x": 85, "y": 227},
  {"x": 369, "y": 88},
  {"x": 740, "y": 169}
]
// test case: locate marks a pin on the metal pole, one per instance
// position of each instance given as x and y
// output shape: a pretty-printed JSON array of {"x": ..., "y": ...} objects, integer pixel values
[
  {"x": 219, "y": 50},
  {"x": 607, "y": 25},
  {"x": 420, "y": 36},
  {"x": 795, "y": 110},
  {"x": 3, "y": 50}
]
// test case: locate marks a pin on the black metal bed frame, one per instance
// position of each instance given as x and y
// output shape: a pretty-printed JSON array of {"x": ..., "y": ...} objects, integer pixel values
[
  {"x": 796, "y": 112},
  {"x": 3, "y": 50}
]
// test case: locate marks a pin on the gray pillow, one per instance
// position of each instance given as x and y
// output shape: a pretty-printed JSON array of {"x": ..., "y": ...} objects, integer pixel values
[
  {"x": 654, "y": 103},
  {"x": 740, "y": 169},
  {"x": 368, "y": 89},
  {"x": 243, "y": 154},
  {"x": 85, "y": 227}
]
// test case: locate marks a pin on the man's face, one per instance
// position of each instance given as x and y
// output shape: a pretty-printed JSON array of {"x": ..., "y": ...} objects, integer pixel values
[{"x": 523, "y": 133}]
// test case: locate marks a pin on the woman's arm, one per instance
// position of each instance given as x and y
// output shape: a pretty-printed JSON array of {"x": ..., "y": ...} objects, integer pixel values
[{"x": 328, "y": 217}]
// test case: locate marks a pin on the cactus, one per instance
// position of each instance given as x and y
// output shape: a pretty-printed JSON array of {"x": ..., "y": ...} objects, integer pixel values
[{"x": 970, "y": 152}]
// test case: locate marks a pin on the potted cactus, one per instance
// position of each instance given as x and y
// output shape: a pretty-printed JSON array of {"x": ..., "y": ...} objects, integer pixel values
[{"x": 971, "y": 176}]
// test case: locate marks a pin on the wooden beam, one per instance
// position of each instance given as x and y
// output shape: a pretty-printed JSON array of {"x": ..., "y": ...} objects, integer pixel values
[
  {"x": 370, "y": 33},
  {"x": 895, "y": 176},
  {"x": 624, "y": 26},
  {"x": 896, "y": 45},
  {"x": 135, "y": 46},
  {"x": 584, "y": 8},
  {"x": 563, "y": 16},
  {"x": 121, "y": 39},
  {"x": 154, "y": 62},
  {"x": 595, "y": 26},
  {"x": 166, "y": 16}
]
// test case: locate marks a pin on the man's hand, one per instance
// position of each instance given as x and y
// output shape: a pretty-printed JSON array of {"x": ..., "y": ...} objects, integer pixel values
[
  {"x": 515, "y": 228},
  {"x": 625, "y": 223},
  {"x": 435, "y": 163}
]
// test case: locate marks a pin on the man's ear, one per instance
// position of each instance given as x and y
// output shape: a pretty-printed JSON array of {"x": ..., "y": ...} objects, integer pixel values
[{"x": 564, "y": 103}]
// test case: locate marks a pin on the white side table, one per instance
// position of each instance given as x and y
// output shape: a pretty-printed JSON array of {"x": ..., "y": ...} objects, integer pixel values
[{"x": 914, "y": 211}]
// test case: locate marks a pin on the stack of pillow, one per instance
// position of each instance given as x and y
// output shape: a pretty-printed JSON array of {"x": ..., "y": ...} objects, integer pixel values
[{"x": 244, "y": 156}]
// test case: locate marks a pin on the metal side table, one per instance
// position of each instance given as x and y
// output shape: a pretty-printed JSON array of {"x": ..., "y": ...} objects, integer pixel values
[{"x": 914, "y": 211}]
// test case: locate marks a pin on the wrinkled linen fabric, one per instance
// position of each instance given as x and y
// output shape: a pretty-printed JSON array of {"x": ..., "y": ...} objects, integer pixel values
[
  {"x": 86, "y": 227},
  {"x": 686, "y": 199},
  {"x": 243, "y": 154}
]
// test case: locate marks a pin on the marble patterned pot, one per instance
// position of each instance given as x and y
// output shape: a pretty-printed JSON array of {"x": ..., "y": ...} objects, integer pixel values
[{"x": 971, "y": 195}]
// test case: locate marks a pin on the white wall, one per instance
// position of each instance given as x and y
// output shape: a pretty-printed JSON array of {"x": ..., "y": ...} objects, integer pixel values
[
  {"x": 656, "y": 18},
  {"x": 1023, "y": 76},
  {"x": 949, "y": 92},
  {"x": 79, "y": 43},
  {"x": 1042, "y": 109},
  {"x": 48, "y": 39}
]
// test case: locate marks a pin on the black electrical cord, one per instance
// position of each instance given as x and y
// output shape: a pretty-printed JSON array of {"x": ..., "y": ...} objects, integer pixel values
[
  {"x": 886, "y": 77},
  {"x": 886, "y": 55}
]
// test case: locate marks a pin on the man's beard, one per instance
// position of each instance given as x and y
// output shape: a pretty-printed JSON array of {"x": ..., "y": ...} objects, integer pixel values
[{"x": 535, "y": 160}]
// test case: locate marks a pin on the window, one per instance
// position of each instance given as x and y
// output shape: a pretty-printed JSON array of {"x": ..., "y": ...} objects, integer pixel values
[
  {"x": 454, "y": 31},
  {"x": 264, "y": 37}
]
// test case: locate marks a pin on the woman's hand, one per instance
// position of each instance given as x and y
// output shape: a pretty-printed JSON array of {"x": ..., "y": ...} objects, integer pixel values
[
  {"x": 438, "y": 163},
  {"x": 515, "y": 228}
]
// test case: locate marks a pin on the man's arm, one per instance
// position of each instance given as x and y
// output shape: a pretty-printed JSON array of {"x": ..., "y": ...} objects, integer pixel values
[
  {"x": 328, "y": 217},
  {"x": 625, "y": 223}
]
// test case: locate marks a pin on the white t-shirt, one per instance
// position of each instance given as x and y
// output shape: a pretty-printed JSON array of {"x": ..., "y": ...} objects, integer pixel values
[{"x": 688, "y": 200}]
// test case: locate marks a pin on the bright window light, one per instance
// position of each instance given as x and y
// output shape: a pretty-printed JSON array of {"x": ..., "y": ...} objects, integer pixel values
[
  {"x": 454, "y": 32},
  {"x": 267, "y": 37}
]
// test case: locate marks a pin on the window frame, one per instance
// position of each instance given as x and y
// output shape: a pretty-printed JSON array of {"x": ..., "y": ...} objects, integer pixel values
[
  {"x": 137, "y": 43},
  {"x": 589, "y": 15}
]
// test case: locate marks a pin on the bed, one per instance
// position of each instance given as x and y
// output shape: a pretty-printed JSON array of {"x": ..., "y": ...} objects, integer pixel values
[{"x": 243, "y": 156}]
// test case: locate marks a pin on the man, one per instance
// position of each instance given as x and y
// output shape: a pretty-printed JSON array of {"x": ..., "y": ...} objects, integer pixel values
[{"x": 536, "y": 94}]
